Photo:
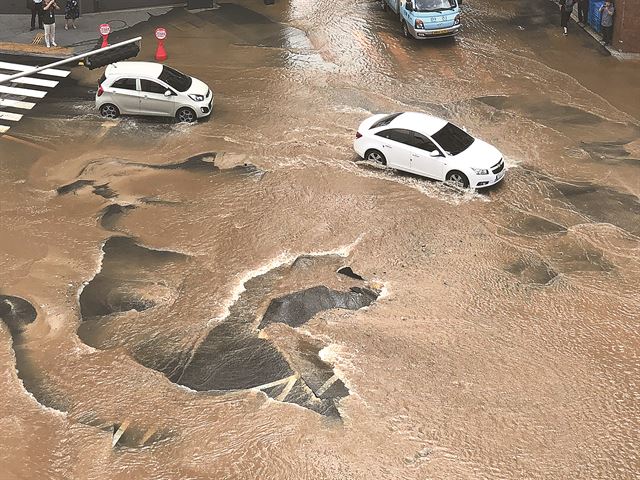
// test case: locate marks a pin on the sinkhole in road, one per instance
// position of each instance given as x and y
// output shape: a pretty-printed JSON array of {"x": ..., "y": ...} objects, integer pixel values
[{"x": 242, "y": 351}]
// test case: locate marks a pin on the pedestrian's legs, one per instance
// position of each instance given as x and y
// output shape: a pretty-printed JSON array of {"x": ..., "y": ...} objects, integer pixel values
[
  {"x": 47, "y": 35},
  {"x": 607, "y": 34},
  {"x": 564, "y": 20},
  {"x": 53, "y": 34},
  {"x": 34, "y": 12},
  {"x": 40, "y": 14}
]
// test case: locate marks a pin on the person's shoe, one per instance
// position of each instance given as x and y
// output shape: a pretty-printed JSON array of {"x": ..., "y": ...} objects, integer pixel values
[
  {"x": 565, "y": 30},
  {"x": 32, "y": 29},
  {"x": 74, "y": 27},
  {"x": 48, "y": 46},
  {"x": 54, "y": 44},
  {"x": 66, "y": 27}
]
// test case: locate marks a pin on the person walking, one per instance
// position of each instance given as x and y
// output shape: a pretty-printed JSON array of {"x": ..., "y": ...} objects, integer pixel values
[
  {"x": 606, "y": 21},
  {"x": 36, "y": 11},
  {"x": 583, "y": 11},
  {"x": 49, "y": 20},
  {"x": 566, "y": 7},
  {"x": 71, "y": 13}
]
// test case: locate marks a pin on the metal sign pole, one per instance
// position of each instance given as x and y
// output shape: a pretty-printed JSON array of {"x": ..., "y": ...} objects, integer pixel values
[{"x": 68, "y": 60}]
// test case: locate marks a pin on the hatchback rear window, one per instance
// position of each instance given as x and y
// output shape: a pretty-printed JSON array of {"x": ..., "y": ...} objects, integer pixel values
[
  {"x": 176, "y": 79},
  {"x": 383, "y": 122}
]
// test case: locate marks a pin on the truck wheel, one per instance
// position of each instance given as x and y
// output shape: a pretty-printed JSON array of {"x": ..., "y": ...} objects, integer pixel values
[{"x": 405, "y": 30}]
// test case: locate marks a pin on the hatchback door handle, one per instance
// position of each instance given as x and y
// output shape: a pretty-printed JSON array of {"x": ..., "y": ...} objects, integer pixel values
[{"x": 386, "y": 146}]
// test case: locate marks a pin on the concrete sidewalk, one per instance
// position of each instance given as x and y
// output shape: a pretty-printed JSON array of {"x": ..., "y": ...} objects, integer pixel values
[
  {"x": 15, "y": 37},
  {"x": 598, "y": 37}
]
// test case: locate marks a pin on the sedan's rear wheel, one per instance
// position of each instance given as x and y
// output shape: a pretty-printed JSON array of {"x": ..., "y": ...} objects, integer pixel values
[
  {"x": 375, "y": 156},
  {"x": 109, "y": 110},
  {"x": 186, "y": 115},
  {"x": 457, "y": 179}
]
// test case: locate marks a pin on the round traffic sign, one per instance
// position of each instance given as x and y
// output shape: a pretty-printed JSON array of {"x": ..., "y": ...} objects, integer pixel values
[
  {"x": 161, "y": 33},
  {"x": 105, "y": 29}
]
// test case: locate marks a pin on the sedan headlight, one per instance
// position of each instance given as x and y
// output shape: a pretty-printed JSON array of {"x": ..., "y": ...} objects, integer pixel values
[
  {"x": 196, "y": 98},
  {"x": 480, "y": 171}
]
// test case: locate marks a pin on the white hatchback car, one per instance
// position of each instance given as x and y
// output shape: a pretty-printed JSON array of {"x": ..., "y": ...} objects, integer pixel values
[
  {"x": 147, "y": 88},
  {"x": 430, "y": 147}
]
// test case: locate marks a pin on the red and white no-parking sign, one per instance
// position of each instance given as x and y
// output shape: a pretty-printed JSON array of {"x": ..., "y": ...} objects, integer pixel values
[
  {"x": 105, "y": 30},
  {"x": 161, "y": 53}
]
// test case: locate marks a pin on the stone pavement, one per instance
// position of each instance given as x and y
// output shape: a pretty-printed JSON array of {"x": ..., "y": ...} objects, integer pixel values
[{"x": 15, "y": 36}]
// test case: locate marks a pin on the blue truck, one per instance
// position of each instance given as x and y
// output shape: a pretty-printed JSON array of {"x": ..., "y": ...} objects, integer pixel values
[{"x": 423, "y": 19}]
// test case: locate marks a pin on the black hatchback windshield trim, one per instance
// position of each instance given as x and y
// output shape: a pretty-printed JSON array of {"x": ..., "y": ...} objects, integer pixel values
[{"x": 175, "y": 79}]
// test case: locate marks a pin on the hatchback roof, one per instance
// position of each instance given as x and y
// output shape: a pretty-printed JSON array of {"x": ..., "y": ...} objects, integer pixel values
[
  {"x": 148, "y": 69},
  {"x": 419, "y": 122}
]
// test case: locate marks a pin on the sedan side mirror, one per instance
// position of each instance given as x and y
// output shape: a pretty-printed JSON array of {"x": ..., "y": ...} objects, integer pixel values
[
  {"x": 435, "y": 153},
  {"x": 168, "y": 93}
]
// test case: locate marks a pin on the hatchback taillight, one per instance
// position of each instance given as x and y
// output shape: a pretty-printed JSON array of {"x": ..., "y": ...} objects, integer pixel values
[
  {"x": 100, "y": 90},
  {"x": 358, "y": 135}
]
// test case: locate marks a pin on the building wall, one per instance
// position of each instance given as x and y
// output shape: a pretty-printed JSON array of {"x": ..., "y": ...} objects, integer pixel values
[{"x": 626, "y": 29}]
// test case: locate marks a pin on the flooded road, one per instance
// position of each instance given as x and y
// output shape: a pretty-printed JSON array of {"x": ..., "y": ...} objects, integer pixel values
[{"x": 175, "y": 301}]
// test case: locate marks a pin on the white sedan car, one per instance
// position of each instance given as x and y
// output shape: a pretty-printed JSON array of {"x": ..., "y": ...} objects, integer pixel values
[
  {"x": 147, "y": 88},
  {"x": 430, "y": 147}
]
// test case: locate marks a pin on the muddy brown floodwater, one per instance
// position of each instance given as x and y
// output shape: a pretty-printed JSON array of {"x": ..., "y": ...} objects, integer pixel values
[{"x": 241, "y": 299}]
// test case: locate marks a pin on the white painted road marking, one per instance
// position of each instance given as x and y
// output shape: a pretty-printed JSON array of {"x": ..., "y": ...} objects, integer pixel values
[
  {"x": 5, "y": 102},
  {"x": 10, "y": 89},
  {"x": 39, "y": 82},
  {"x": 12, "y": 117},
  {"x": 326, "y": 385},
  {"x": 16, "y": 67},
  {"x": 22, "y": 92}
]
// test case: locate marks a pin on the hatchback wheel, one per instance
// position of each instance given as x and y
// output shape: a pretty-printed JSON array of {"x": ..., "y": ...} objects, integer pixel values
[
  {"x": 109, "y": 110},
  {"x": 457, "y": 179},
  {"x": 186, "y": 115},
  {"x": 375, "y": 156}
]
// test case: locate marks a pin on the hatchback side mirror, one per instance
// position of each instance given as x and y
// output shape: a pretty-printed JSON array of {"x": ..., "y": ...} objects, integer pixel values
[
  {"x": 434, "y": 153},
  {"x": 168, "y": 93}
]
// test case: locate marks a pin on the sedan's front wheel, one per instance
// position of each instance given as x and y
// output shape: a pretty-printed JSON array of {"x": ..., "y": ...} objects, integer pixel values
[
  {"x": 375, "y": 156},
  {"x": 186, "y": 115},
  {"x": 457, "y": 179}
]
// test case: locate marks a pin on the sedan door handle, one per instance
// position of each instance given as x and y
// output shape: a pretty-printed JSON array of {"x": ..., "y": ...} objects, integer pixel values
[{"x": 386, "y": 146}]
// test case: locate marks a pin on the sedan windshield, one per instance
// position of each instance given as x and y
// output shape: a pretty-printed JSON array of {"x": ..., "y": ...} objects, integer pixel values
[
  {"x": 177, "y": 80},
  {"x": 433, "y": 5},
  {"x": 452, "y": 139}
]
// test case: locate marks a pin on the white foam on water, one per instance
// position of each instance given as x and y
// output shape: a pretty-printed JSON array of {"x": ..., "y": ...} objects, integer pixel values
[{"x": 280, "y": 260}]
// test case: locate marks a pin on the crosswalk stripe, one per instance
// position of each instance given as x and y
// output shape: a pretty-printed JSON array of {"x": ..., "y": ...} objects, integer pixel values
[
  {"x": 25, "y": 92},
  {"x": 5, "y": 102},
  {"x": 52, "y": 72},
  {"x": 33, "y": 81},
  {"x": 11, "y": 117},
  {"x": 4, "y": 128}
]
